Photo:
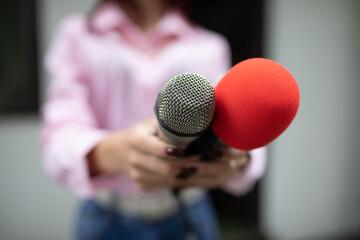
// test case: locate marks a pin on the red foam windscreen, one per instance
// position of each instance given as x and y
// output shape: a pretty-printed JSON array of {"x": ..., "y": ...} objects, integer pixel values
[{"x": 255, "y": 102}]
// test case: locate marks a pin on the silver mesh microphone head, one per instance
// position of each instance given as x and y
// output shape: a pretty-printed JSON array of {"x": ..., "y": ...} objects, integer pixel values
[{"x": 186, "y": 104}]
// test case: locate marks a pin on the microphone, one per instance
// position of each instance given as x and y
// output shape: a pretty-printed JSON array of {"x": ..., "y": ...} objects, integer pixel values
[
  {"x": 256, "y": 101},
  {"x": 185, "y": 108}
]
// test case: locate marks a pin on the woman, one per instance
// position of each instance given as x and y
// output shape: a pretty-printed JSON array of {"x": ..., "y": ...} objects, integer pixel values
[{"x": 100, "y": 135}]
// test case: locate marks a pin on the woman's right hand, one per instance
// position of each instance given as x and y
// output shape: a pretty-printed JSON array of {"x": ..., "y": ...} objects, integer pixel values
[{"x": 140, "y": 153}]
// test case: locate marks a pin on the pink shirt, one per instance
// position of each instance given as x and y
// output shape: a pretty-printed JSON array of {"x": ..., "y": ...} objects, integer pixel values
[{"x": 108, "y": 79}]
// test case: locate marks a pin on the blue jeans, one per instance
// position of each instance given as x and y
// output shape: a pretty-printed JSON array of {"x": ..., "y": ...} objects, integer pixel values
[{"x": 95, "y": 222}]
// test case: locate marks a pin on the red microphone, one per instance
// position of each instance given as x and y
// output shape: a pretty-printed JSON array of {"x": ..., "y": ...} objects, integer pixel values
[{"x": 256, "y": 101}]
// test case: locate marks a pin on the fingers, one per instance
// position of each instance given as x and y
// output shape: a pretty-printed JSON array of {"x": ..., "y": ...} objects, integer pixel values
[
  {"x": 216, "y": 173},
  {"x": 147, "y": 180},
  {"x": 163, "y": 173},
  {"x": 163, "y": 167},
  {"x": 152, "y": 163},
  {"x": 220, "y": 165},
  {"x": 144, "y": 138}
]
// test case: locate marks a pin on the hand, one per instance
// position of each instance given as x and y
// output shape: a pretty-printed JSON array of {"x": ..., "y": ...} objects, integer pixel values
[
  {"x": 154, "y": 164},
  {"x": 138, "y": 152},
  {"x": 226, "y": 163}
]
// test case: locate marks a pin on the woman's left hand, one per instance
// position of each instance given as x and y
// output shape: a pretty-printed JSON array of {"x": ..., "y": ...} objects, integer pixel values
[{"x": 214, "y": 168}]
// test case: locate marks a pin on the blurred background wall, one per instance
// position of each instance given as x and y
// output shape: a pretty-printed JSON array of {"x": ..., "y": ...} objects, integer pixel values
[
  {"x": 312, "y": 186},
  {"x": 32, "y": 206}
]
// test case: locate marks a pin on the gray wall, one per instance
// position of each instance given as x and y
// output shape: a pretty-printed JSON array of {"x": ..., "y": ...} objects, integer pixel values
[
  {"x": 311, "y": 189},
  {"x": 33, "y": 207}
]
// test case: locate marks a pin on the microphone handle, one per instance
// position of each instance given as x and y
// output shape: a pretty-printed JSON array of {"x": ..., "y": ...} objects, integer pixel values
[
  {"x": 205, "y": 143},
  {"x": 201, "y": 145}
]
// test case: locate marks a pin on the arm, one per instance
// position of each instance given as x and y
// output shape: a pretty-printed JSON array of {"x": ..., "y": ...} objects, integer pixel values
[
  {"x": 70, "y": 128},
  {"x": 79, "y": 154}
]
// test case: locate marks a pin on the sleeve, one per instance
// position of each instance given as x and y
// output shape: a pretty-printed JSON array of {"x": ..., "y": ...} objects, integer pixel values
[
  {"x": 70, "y": 129},
  {"x": 245, "y": 180}
]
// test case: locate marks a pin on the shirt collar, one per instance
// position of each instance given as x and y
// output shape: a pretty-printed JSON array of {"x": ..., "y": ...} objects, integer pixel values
[{"x": 111, "y": 18}]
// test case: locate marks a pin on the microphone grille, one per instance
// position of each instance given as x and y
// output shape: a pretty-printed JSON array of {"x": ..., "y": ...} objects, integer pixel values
[{"x": 186, "y": 104}]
